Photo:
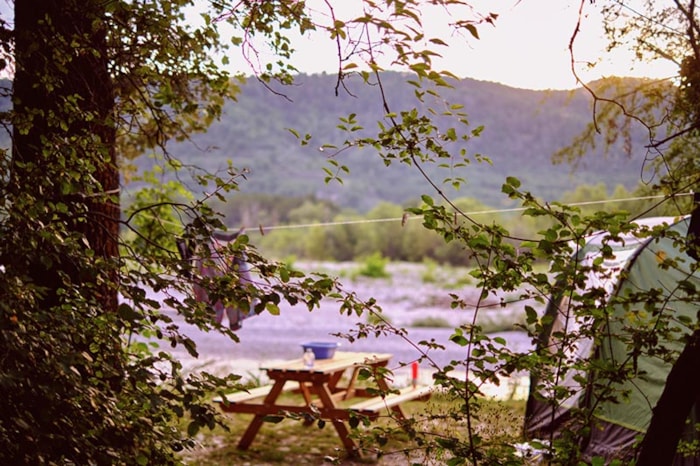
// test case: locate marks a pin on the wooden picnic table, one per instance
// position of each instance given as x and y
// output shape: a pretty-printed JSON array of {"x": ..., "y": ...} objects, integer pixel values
[{"x": 322, "y": 388}]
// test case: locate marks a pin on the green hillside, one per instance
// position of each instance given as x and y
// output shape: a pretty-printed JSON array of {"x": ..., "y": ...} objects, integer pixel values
[{"x": 522, "y": 129}]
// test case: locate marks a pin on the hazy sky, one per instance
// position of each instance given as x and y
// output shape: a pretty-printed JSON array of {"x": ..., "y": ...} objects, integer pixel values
[{"x": 527, "y": 48}]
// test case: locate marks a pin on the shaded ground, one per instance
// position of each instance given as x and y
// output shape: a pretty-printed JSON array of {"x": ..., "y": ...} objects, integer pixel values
[{"x": 290, "y": 443}]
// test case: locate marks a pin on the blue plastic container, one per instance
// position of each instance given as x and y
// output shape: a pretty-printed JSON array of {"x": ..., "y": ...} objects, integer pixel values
[{"x": 321, "y": 349}]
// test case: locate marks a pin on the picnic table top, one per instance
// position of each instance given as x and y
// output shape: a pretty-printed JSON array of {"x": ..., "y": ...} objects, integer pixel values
[{"x": 340, "y": 361}]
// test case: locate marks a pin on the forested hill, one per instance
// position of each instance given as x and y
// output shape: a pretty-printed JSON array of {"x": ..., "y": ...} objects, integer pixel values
[{"x": 522, "y": 129}]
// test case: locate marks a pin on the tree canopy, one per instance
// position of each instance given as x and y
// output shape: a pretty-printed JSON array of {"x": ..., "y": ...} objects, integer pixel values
[
  {"x": 95, "y": 84},
  {"x": 85, "y": 374}
]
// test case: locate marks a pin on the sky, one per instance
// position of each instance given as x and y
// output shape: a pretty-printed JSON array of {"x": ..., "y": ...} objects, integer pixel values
[{"x": 527, "y": 48}]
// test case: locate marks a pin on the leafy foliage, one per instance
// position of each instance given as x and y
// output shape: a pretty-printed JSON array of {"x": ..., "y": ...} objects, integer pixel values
[
  {"x": 85, "y": 378},
  {"x": 88, "y": 294}
]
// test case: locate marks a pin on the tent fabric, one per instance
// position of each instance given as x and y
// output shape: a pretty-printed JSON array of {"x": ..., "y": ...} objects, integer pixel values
[
  {"x": 609, "y": 440},
  {"x": 640, "y": 268}
]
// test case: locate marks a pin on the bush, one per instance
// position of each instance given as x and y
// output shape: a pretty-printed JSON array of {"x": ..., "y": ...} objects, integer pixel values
[
  {"x": 429, "y": 274},
  {"x": 374, "y": 266}
]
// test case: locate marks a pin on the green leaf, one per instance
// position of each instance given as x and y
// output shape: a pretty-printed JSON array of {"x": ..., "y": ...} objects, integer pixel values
[
  {"x": 128, "y": 313},
  {"x": 274, "y": 419},
  {"x": 512, "y": 181},
  {"x": 438, "y": 41},
  {"x": 190, "y": 346},
  {"x": 192, "y": 428},
  {"x": 461, "y": 340},
  {"x": 531, "y": 315}
]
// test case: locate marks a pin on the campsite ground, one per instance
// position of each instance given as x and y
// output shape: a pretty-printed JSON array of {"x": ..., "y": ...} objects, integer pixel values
[
  {"x": 288, "y": 442},
  {"x": 414, "y": 297}
]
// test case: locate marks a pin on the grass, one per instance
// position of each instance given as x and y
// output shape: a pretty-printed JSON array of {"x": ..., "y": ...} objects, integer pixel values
[{"x": 290, "y": 442}]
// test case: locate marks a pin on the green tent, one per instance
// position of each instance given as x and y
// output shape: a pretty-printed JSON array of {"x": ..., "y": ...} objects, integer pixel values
[{"x": 646, "y": 281}]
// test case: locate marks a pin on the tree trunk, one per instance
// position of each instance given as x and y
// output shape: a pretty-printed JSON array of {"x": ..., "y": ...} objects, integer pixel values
[
  {"x": 672, "y": 410},
  {"x": 64, "y": 133}
]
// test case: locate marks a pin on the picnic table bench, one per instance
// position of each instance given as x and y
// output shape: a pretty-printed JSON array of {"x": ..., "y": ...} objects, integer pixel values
[{"x": 323, "y": 390}]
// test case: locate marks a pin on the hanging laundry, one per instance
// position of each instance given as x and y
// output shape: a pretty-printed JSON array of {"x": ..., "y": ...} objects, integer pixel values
[{"x": 211, "y": 260}]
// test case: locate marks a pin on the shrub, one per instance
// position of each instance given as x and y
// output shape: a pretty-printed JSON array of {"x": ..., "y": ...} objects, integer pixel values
[
  {"x": 374, "y": 266},
  {"x": 429, "y": 274}
]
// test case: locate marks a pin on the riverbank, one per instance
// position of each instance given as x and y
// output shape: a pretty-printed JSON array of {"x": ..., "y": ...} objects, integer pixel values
[{"x": 410, "y": 294}]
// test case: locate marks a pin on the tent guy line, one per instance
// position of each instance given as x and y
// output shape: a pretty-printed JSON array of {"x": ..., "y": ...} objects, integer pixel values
[{"x": 264, "y": 229}]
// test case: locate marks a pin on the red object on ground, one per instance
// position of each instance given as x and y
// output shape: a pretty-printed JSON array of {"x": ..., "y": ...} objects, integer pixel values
[{"x": 414, "y": 372}]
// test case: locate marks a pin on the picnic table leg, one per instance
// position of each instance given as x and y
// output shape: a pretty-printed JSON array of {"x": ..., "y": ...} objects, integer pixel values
[
  {"x": 340, "y": 427},
  {"x": 333, "y": 381},
  {"x": 350, "y": 391},
  {"x": 256, "y": 423},
  {"x": 306, "y": 393},
  {"x": 250, "y": 432},
  {"x": 397, "y": 410}
]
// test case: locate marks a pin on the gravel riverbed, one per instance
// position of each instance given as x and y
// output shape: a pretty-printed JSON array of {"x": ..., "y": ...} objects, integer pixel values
[{"x": 406, "y": 297}]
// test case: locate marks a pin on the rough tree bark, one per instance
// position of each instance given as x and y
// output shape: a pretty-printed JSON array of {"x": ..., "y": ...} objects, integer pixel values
[
  {"x": 682, "y": 388},
  {"x": 672, "y": 410},
  {"x": 64, "y": 120}
]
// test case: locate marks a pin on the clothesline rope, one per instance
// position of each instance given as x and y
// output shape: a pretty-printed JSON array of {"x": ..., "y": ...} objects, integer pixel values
[{"x": 264, "y": 229}]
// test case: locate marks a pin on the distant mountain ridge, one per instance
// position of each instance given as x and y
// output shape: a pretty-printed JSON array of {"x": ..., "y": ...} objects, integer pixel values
[{"x": 522, "y": 129}]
